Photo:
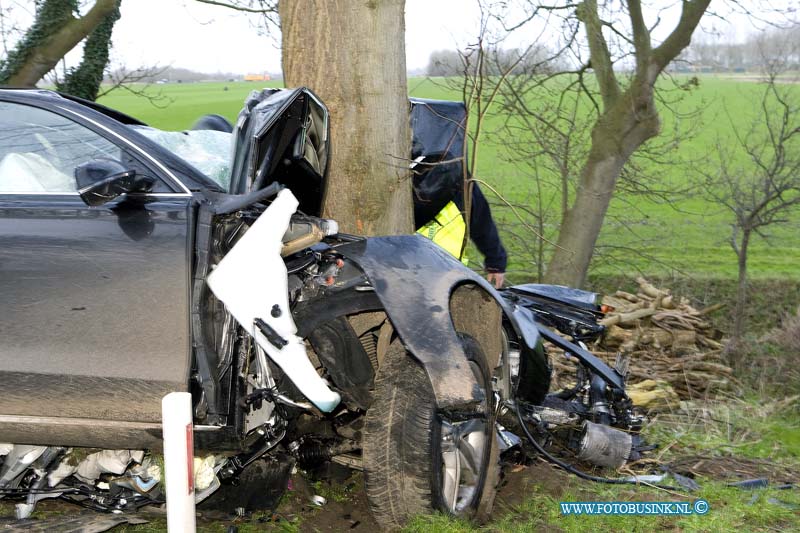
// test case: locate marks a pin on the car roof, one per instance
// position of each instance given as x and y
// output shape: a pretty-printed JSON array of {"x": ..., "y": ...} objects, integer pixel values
[{"x": 107, "y": 111}]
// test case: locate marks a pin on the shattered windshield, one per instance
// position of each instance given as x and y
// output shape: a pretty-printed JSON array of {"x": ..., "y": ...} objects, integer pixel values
[{"x": 208, "y": 151}]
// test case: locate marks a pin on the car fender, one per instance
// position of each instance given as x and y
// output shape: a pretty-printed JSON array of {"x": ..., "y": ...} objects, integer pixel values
[
  {"x": 533, "y": 381},
  {"x": 418, "y": 283}
]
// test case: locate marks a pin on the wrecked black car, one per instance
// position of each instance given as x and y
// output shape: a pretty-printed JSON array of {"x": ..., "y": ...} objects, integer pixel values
[{"x": 136, "y": 262}]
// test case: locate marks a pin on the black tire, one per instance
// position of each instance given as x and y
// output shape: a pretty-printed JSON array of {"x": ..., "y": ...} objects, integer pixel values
[
  {"x": 402, "y": 446},
  {"x": 213, "y": 123}
]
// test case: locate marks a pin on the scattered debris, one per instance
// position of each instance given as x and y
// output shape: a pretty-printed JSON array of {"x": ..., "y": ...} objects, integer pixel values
[
  {"x": 750, "y": 484},
  {"x": 685, "y": 482},
  {"x": 647, "y": 478},
  {"x": 86, "y": 522},
  {"x": 302, "y": 486}
]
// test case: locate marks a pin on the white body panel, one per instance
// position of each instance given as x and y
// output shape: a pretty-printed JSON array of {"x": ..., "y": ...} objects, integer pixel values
[{"x": 251, "y": 279}]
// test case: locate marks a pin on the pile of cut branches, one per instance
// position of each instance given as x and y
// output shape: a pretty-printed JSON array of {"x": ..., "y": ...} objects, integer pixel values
[{"x": 665, "y": 338}]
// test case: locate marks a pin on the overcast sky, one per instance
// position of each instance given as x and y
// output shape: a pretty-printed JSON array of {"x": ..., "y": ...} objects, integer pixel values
[
  {"x": 184, "y": 33},
  {"x": 212, "y": 39}
]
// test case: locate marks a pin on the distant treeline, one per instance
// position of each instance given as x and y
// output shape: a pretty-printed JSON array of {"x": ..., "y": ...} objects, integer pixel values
[
  {"x": 707, "y": 54},
  {"x": 176, "y": 75},
  {"x": 716, "y": 54},
  {"x": 497, "y": 61}
]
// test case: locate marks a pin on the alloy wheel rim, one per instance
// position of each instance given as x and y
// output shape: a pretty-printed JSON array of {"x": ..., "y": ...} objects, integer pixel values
[{"x": 463, "y": 446}]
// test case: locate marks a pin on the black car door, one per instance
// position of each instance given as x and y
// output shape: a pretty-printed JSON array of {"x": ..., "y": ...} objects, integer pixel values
[{"x": 94, "y": 300}]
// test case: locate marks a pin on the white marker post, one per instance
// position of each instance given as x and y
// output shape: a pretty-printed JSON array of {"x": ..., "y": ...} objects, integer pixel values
[{"x": 176, "y": 416}]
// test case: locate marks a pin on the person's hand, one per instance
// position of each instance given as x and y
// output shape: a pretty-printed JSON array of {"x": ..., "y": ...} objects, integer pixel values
[{"x": 496, "y": 279}]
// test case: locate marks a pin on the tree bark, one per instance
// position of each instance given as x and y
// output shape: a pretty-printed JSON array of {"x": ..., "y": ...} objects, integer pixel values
[
  {"x": 616, "y": 136},
  {"x": 740, "y": 311},
  {"x": 352, "y": 54},
  {"x": 84, "y": 81},
  {"x": 48, "y": 51}
]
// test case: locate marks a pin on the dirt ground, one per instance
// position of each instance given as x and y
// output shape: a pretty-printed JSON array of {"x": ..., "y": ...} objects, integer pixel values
[
  {"x": 352, "y": 513},
  {"x": 346, "y": 508}
]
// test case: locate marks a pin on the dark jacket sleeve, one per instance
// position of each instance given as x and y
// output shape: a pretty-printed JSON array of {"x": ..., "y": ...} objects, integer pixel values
[{"x": 483, "y": 232}]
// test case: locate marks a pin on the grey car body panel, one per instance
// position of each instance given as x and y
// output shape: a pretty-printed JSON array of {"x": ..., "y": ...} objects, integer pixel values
[
  {"x": 81, "y": 432},
  {"x": 412, "y": 277},
  {"x": 567, "y": 295},
  {"x": 95, "y": 305},
  {"x": 608, "y": 374},
  {"x": 95, "y": 300}
]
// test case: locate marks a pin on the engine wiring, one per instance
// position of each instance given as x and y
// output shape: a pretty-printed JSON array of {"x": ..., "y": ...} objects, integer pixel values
[
  {"x": 25, "y": 492},
  {"x": 88, "y": 498}
]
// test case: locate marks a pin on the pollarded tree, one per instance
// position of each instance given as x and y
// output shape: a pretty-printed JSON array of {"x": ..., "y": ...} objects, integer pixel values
[
  {"x": 611, "y": 40},
  {"x": 627, "y": 118}
]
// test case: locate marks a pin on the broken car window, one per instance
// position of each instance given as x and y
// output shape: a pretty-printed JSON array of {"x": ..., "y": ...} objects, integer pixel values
[{"x": 208, "y": 151}]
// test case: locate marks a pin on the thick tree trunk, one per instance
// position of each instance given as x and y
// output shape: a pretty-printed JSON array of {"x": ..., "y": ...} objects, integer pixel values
[
  {"x": 581, "y": 225},
  {"x": 618, "y": 133},
  {"x": 48, "y": 50},
  {"x": 352, "y": 54}
]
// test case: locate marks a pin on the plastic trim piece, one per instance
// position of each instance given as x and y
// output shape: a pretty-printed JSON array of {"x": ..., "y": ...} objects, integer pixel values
[{"x": 251, "y": 279}]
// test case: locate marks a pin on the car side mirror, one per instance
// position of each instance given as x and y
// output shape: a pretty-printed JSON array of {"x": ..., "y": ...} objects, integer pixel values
[{"x": 101, "y": 180}]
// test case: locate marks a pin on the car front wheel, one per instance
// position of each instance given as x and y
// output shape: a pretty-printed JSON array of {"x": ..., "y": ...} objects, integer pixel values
[{"x": 417, "y": 461}]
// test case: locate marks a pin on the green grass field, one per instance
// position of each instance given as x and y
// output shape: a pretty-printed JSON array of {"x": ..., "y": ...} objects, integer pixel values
[{"x": 686, "y": 238}]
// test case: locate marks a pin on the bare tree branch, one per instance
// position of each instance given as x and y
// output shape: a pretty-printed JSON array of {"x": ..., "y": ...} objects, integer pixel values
[
  {"x": 641, "y": 37},
  {"x": 136, "y": 82},
  {"x": 599, "y": 53},
  {"x": 261, "y": 6},
  {"x": 47, "y": 52},
  {"x": 680, "y": 37}
]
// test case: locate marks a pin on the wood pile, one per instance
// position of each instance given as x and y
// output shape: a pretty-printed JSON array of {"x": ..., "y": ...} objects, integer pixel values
[
  {"x": 653, "y": 395},
  {"x": 665, "y": 338}
]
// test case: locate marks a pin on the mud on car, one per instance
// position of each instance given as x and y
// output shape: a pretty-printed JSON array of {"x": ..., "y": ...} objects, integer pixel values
[{"x": 136, "y": 262}]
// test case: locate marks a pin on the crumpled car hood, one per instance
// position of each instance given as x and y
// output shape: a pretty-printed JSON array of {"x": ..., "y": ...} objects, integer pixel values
[{"x": 281, "y": 135}]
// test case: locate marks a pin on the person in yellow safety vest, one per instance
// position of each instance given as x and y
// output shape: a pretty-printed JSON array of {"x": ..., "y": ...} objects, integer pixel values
[{"x": 438, "y": 213}]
